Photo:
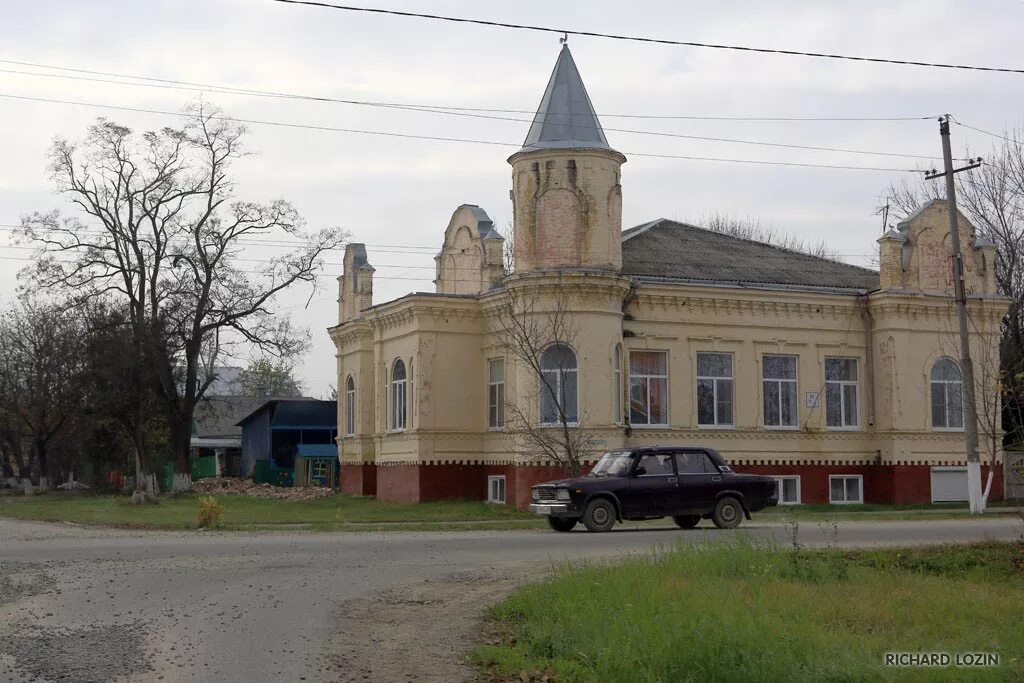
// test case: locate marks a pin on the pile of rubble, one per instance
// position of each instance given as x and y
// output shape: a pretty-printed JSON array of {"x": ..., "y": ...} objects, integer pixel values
[{"x": 248, "y": 487}]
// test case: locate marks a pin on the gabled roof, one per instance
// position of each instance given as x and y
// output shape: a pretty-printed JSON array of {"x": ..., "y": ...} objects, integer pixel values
[
  {"x": 298, "y": 412},
  {"x": 672, "y": 250},
  {"x": 218, "y": 416},
  {"x": 565, "y": 118}
]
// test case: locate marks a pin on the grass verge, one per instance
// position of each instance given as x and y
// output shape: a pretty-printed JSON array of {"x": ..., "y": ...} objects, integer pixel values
[
  {"x": 747, "y": 611},
  {"x": 245, "y": 512}
]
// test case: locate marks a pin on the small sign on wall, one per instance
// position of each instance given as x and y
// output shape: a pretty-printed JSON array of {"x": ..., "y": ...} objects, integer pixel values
[{"x": 811, "y": 399}]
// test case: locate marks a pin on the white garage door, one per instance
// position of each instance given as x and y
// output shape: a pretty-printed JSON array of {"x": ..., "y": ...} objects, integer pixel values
[{"x": 949, "y": 484}]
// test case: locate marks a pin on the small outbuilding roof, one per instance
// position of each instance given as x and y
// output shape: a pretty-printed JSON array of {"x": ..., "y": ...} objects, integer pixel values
[
  {"x": 298, "y": 412},
  {"x": 672, "y": 250}
]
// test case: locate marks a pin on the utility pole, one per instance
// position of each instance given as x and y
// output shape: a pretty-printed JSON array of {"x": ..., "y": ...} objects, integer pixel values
[{"x": 960, "y": 292}]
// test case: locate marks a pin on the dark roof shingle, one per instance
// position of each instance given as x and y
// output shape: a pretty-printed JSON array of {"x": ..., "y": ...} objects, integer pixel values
[{"x": 668, "y": 249}]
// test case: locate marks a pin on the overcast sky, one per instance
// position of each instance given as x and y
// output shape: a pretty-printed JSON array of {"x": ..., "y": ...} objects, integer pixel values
[{"x": 392, "y": 192}]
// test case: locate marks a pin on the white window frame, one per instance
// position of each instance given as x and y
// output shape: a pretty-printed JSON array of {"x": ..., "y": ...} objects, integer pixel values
[
  {"x": 843, "y": 383},
  {"x": 796, "y": 477},
  {"x": 618, "y": 414},
  {"x": 859, "y": 477},
  {"x": 495, "y": 397},
  {"x": 781, "y": 383},
  {"x": 945, "y": 404},
  {"x": 491, "y": 497},
  {"x": 649, "y": 425},
  {"x": 350, "y": 406},
  {"x": 559, "y": 393},
  {"x": 714, "y": 384},
  {"x": 399, "y": 394}
]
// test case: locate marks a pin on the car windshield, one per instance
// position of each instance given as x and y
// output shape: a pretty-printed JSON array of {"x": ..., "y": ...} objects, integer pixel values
[{"x": 614, "y": 464}]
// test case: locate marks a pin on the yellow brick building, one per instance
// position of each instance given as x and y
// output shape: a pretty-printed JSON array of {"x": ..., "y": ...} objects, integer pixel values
[{"x": 839, "y": 380}]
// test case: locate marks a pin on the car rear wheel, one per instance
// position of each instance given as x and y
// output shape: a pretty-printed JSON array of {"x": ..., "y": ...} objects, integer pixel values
[
  {"x": 687, "y": 521},
  {"x": 561, "y": 523},
  {"x": 728, "y": 513},
  {"x": 600, "y": 515}
]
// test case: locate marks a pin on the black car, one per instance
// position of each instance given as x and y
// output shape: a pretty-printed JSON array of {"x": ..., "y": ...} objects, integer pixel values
[{"x": 685, "y": 483}]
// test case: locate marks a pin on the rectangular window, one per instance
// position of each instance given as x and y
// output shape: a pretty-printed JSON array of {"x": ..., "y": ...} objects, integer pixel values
[
  {"x": 648, "y": 388},
  {"x": 693, "y": 462},
  {"x": 779, "y": 387},
  {"x": 496, "y": 489},
  {"x": 845, "y": 488},
  {"x": 714, "y": 390},
  {"x": 496, "y": 393},
  {"x": 787, "y": 490},
  {"x": 841, "y": 407}
]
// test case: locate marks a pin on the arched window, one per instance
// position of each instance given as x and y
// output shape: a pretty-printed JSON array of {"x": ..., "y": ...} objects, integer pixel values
[
  {"x": 558, "y": 385},
  {"x": 398, "y": 395},
  {"x": 350, "y": 406},
  {"x": 617, "y": 416},
  {"x": 947, "y": 395}
]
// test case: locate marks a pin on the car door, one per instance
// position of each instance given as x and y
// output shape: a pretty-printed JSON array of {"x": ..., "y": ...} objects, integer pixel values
[
  {"x": 652, "y": 482},
  {"x": 699, "y": 482}
]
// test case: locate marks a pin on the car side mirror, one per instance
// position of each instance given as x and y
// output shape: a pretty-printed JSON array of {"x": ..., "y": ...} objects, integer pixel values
[{"x": 639, "y": 470}]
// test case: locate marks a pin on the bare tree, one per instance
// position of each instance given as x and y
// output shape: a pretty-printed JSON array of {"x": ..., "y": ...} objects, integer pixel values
[
  {"x": 750, "y": 229},
  {"x": 535, "y": 327},
  {"x": 41, "y": 373},
  {"x": 160, "y": 231}
]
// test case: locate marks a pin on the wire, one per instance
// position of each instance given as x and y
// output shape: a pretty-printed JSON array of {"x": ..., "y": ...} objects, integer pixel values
[
  {"x": 192, "y": 85},
  {"x": 441, "y": 138},
  {"x": 982, "y": 130},
  {"x": 644, "y": 39},
  {"x": 431, "y": 110}
]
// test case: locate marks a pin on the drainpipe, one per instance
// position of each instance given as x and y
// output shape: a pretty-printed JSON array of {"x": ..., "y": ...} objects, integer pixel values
[{"x": 869, "y": 355}]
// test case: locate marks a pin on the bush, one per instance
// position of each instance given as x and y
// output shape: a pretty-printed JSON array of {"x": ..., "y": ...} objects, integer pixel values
[{"x": 210, "y": 512}]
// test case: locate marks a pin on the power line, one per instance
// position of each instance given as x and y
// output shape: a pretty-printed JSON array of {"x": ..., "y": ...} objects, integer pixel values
[
  {"x": 438, "y": 138},
  {"x": 225, "y": 89},
  {"x": 982, "y": 130},
  {"x": 425, "y": 109},
  {"x": 646, "y": 39}
]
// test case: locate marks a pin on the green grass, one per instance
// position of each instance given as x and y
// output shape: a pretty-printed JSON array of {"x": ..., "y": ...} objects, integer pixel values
[
  {"x": 245, "y": 512},
  {"x": 877, "y": 512},
  {"x": 747, "y": 611}
]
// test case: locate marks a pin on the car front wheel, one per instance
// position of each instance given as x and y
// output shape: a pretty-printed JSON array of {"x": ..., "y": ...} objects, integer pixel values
[
  {"x": 600, "y": 515},
  {"x": 687, "y": 521},
  {"x": 728, "y": 513},
  {"x": 561, "y": 523}
]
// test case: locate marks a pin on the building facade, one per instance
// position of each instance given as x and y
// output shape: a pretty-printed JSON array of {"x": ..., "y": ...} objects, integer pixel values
[{"x": 841, "y": 381}]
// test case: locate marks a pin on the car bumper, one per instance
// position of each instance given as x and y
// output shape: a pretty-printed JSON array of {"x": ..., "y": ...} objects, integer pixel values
[{"x": 553, "y": 509}]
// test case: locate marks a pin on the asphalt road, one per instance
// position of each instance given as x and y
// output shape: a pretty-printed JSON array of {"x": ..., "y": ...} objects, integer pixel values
[{"x": 85, "y": 604}]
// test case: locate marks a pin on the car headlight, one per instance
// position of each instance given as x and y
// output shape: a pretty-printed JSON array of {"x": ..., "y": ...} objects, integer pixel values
[{"x": 562, "y": 494}]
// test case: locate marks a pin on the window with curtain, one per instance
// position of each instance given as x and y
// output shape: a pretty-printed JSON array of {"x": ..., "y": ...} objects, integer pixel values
[
  {"x": 350, "y": 406},
  {"x": 648, "y": 388},
  {"x": 714, "y": 390},
  {"x": 778, "y": 383},
  {"x": 841, "y": 409},
  {"x": 947, "y": 395},
  {"x": 496, "y": 393},
  {"x": 558, "y": 385},
  {"x": 398, "y": 384}
]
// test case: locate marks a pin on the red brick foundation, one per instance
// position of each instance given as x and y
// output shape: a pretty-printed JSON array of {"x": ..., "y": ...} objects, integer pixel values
[
  {"x": 359, "y": 480},
  {"x": 883, "y": 484}
]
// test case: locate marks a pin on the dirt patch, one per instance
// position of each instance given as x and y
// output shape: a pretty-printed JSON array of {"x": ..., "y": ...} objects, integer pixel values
[
  {"x": 94, "y": 654},
  {"x": 419, "y": 632},
  {"x": 248, "y": 487},
  {"x": 23, "y": 580}
]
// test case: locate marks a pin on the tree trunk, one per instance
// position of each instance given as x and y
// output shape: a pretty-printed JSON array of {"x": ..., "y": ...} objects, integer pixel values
[
  {"x": 26, "y": 486},
  {"x": 140, "y": 495},
  {"x": 42, "y": 457},
  {"x": 181, "y": 444}
]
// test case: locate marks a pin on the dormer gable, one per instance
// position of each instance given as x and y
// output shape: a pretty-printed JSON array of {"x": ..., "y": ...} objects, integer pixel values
[{"x": 471, "y": 259}]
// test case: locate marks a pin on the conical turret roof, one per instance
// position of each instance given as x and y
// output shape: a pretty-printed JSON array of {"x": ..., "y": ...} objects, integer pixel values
[{"x": 566, "y": 117}]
